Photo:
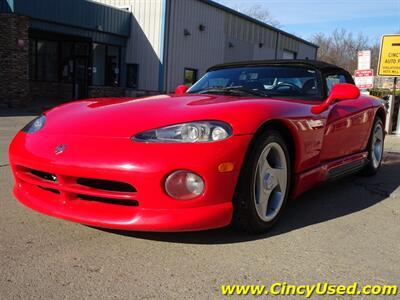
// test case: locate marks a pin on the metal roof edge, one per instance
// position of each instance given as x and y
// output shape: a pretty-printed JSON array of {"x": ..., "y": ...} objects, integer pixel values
[{"x": 109, "y": 6}]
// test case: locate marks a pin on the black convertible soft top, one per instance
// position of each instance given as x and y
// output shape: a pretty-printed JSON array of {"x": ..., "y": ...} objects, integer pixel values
[{"x": 283, "y": 62}]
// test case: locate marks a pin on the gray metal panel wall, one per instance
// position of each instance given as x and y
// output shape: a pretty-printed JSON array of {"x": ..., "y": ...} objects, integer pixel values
[
  {"x": 201, "y": 49},
  {"x": 238, "y": 50},
  {"x": 306, "y": 51},
  {"x": 78, "y": 13},
  {"x": 287, "y": 43},
  {"x": 241, "y": 33},
  {"x": 302, "y": 50},
  {"x": 247, "y": 40},
  {"x": 255, "y": 21},
  {"x": 240, "y": 28},
  {"x": 144, "y": 46}
]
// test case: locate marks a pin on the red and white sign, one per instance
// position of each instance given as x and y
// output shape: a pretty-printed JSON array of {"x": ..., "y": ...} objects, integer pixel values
[
  {"x": 364, "y": 79},
  {"x": 364, "y": 60}
]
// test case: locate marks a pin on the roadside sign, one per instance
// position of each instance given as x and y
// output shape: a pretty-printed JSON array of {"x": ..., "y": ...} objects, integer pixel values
[
  {"x": 389, "y": 58},
  {"x": 364, "y": 79},
  {"x": 364, "y": 60}
]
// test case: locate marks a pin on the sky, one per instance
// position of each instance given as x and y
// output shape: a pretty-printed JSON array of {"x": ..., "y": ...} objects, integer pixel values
[{"x": 304, "y": 18}]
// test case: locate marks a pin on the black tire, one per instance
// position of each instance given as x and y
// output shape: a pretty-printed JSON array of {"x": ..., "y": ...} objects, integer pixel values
[
  {"x": 373, "y": 165},
  {"x": 245, "y": 216}
]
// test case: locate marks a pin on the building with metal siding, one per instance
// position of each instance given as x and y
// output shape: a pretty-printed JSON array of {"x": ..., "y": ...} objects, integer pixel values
[
  {"x": 226, "y": 35},
  {"x": 61, "y": 50},
  {"x": 145, "y": 48},
  {"x": 187, "y": 46},
  {"x": 86, "y": 15},
  {"x": 80, "y": 48}
]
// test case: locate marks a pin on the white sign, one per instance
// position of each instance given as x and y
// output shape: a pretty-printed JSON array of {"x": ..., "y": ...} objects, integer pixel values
[
  {"x": 364, "y": 79},
  {"x": 364, "y": 60}
]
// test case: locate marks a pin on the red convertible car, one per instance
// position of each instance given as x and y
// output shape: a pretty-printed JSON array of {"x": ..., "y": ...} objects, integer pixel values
[{"x": 232, "y": 149}]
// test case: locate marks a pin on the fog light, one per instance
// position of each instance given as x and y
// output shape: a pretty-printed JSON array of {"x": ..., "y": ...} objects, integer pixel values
[{"x": 184, "y": 185}]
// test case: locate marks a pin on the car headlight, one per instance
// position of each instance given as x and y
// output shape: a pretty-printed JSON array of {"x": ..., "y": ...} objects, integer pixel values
[
  {"x": 35, "y": 125},
  {"x": 193, "y": 132}
]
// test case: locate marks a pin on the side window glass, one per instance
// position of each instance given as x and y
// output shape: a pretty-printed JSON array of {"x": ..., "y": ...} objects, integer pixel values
[{"x": 333, "y": 79}]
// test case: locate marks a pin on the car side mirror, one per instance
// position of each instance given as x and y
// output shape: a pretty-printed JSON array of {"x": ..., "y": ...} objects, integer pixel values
[
  {"x": 181, "y": 89},
  {"x": 339, "y": 92}
]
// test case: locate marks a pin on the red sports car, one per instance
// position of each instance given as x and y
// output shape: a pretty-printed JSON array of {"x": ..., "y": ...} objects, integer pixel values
[{"x": 232, "y": 149}]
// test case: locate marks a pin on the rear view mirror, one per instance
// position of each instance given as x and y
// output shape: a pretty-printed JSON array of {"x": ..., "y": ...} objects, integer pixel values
[
  {"x": 344, "y": 91},
  {"x": 181, "y": 89},
  {"x": 340, "y": 91}
]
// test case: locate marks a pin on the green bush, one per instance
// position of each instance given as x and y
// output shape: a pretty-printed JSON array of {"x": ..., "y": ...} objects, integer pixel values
[{"x": 380, "y": 93}]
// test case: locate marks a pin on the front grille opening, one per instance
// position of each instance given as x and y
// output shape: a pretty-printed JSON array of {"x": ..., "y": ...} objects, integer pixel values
[
  {"x": 44, "y": 175},
  {"x": 54, "y": 191},
  {"x": 107, "y": 185},
  {"x": 109, "y": 201}
]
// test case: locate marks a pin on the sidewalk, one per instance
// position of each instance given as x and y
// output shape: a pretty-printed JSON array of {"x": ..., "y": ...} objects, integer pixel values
[{"x": 392, "y": 143}]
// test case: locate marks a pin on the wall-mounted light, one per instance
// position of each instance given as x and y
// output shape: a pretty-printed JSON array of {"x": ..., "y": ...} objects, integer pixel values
[
  {"x": 186, "y": 32},
  {"x": 230, "y": 45},
  {"x": 202, "y": 27},
  {"x": 100, "y": 27},
  {"x": 21, "y": 44}
]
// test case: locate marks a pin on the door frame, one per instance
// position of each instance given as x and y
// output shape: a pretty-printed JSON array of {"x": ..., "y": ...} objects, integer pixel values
[{"x": 75, "y": 81}]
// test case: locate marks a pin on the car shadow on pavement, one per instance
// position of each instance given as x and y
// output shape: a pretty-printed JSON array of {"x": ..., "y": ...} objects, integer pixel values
[{"x": 329, "y": 201}]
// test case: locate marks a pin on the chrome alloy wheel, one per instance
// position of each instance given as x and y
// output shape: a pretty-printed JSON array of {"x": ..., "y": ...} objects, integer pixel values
[
  {"x": 270, "y": 182},
  {"x": 377, "y": 145}
]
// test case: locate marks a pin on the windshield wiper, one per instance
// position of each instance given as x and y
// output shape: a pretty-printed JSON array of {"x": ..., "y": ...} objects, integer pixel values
[{"x": 233, "y": 90}]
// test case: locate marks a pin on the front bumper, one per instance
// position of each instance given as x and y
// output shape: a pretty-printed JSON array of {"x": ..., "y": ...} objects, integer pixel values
[{"x": 143, "y": 166}]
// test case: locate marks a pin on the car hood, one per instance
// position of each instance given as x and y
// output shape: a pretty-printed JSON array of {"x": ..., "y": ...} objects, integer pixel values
[{"x": 124, "y": 117}]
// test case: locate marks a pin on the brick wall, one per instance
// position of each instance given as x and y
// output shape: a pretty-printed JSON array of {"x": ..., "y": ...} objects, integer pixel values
[
  {"x": 105, "y": 91},
  {"x": 16, "y": 90},
  {"x": 56, "y": 92},
  {"x": 14, "y": 56}
]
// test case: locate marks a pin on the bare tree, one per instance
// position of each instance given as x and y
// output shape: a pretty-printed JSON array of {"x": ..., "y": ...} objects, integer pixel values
[
  {"x": 260, "y": 13},
  {"x": 375, "y": 48},
  {"x": 341, "y": 47}
]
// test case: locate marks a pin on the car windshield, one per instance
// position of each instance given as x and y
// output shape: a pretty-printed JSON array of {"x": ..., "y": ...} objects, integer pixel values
[{"x": 268, "y": 81}]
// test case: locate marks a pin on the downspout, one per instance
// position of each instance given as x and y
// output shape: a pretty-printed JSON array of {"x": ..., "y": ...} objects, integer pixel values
[{"x": 163, "y": 44}]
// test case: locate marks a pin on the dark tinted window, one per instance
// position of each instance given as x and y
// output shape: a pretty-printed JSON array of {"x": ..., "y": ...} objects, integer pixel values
[
  {"x": 277, "y": 81},
  {"x": 99, "y": 68},
  {"x": 47, "y": 60},
  {"x": 132, "y": 75},
  {"x": 67, "y": 61},
  {"x": 112, "y": 66},
  {"x": 32, "y": 59}
]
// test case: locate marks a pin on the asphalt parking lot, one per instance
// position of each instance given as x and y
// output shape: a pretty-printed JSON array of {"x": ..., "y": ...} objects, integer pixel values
[{"x": 340, "y": 233}]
